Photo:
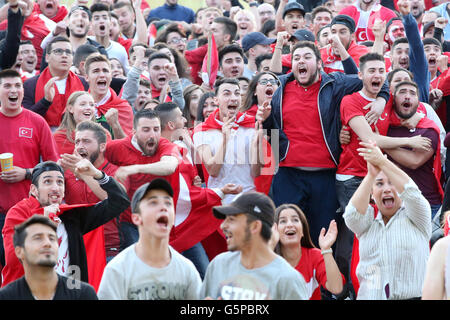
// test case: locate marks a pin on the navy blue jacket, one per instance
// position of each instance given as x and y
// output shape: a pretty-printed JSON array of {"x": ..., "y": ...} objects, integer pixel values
[{"x": 334, "y": 86}]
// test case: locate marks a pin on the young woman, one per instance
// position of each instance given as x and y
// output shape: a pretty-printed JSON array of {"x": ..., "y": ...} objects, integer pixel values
[
  {"x": 80, "y": 107},
  {"x": 192, "y": 95},
  {"x": 317, "y": 267},
  {"x": 261, "y": 89}
]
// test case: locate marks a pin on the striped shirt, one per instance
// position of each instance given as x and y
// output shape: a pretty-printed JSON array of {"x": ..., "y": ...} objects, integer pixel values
[{"x": 393, "y": 256}]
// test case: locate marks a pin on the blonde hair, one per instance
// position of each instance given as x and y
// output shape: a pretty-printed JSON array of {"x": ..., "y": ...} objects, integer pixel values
[{"x": 68, "y": 121}]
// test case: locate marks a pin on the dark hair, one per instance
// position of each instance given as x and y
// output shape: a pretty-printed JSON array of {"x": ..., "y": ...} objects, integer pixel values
[
  {"x": 187, "y": 95},
  {"x": 266, "y": 229},
  {"x": 222, "y": 81},
  {"x": 164, "y": 111},
  {"x": 230, "y": 27},
  {"x": 259, "y": 59},
  {"x": 9, "y": 73},
  {"x": 23, "y": 42},
  {"x": 306, "y": 240},
  {"x": 201, "y": 105},
  {"x": 410, "y": 83},
  {"x": 393, "y": 72},
  {"x": 20, "y": 230},
  {"x": 121, "y": 4},
  {"x": 268, "y": 26},
  {"x": 145, "y": 113},
  {"x": 82, "y": 53},
  {"x": 319, "y": 9},
  {"x": 98, "y": 130},
  {"x": 42, "y": 167},
  {"x": 138, "y": 44},
  {"x": 399, "y": 41},
  {"x": 230, "y": 48},
  {"x": 172, "y": 27},
  {"x": 307, "y": 44},
  {"x": 434, "y": 41},
  {"x": 250, "y": 98},
  {"x": 158, "y": 55},
  {"x": 179, "y": 60},
  {"x": 368, "y": 43},
  {"x": 48, "y": 48},
  {"x": 371, "y": 56},
  {"x": 97, "y": 7}
]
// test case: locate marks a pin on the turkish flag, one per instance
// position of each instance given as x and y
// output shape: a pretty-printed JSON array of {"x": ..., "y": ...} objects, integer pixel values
[{"x": 210, "y": 65}]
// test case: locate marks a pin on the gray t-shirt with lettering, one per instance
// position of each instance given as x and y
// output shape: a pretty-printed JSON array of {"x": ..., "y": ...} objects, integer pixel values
[
  {"x": 227, "y": 278},
  {"x": 127, "y": 277}
]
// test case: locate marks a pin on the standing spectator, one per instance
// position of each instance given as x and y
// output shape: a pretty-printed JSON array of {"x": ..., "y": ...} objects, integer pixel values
[
  {"x": 47, "y": 93},
  {"x": 364, "y": 13},
  {"x": 309, "y": 148},
  {"x": 206, "y": 106},
  {"x": 46, "y": 197},
  {"x": 36, "y": 246},
  {"x": 151, "y": 269},
  {"x": 227, "y": 141},
  {"x": 101, "y": 21},
  {"x": 250, "y": 270},
  {"x": 114, "y": 113},
  {"x": 10, "y": 38},
  {"x": 191, "y": 95},
  {"x": 126, "y": 18},
  {"x": 255, "y": 44},
  {"x": 393, "y": 235},
  {"x": 321, "y": 16},
  {"x": 51, "y": 9},
  {"x": 24, "y": 134},
  {"x": 443, "y": 9},
  {"x": 261, "y": 89},
  {"x": 295, "y": 245},
  {"x": 342, "y": 27},
  {"x": 171, "y": 10},
  {"x": 143, "y": 156},
  {"x": 231, "y": 61},
  {"x": 26, "y": 60}
]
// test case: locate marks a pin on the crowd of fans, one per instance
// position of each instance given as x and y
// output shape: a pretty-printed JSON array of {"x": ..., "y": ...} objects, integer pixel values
[{"x": 270, "y": 149}]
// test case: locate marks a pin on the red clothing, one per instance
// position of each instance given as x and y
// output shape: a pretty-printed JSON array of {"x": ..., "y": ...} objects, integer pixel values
[
  {"x": 302, "y": 126},
  {"x": 64, "y": 145},
  {"x": 312, "y": 268},
  {"x": 103, "y": 238},
  {"x": 333, "y": 63},
  {"x": 123, "y": 153},
  {"x": 195, "y": 59},
  {"x": 363, "y": 30},
  {"x": 436, "y": 83},
  {"x": 252, "y": 110},
  {"x": 60, "y": 14},
  {"x": 123, "y": 107},
  {"x": 35, "y": 28},
  {"x": 56, "y": 110},
  {"x": 126, "y": 43},
  {"x": 350, "y": 162},
  {"x": 28, "y": 137}
]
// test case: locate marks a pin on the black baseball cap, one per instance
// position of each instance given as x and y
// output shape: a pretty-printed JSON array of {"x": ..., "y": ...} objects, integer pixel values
[
  {"x": 158, "y": 184},
  {"x": 253, "y": 38},
  {"x": 254, "y": 203},
  {"x": 303, "y": 34},
  {"x": 292, "y": 6},
  {"x": 345, "y": 20},
  {"x": 42, "y": 167}
]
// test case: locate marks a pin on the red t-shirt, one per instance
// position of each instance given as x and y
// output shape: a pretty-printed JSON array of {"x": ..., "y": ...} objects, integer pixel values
[
  {"x": 350, "y": 162},
  {"x": 28, "y": 137},
  {"x": 123, "y": 153},
  {"x": 302, "y": 126}
]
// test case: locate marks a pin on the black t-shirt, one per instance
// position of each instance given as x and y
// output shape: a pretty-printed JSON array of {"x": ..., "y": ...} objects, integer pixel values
[{"x": 66, "y": 289}]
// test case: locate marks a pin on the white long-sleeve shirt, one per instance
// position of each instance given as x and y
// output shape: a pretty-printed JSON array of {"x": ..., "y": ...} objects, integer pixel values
[{"x": 393, "y": 256}]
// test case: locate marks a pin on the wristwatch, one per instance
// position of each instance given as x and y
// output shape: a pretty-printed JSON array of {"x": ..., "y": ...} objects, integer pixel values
[{"x": 27, "y": 174}]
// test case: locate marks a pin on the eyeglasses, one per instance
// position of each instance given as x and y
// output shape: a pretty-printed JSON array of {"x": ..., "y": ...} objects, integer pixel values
[
  {"x": 59, "y": 52},
  {"x": 178, "y": 40},
  {"x": 266, "y": 81}
]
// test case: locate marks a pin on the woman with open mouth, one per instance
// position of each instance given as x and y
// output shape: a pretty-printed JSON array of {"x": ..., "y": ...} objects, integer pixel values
[
  {"x": 261, "y": 89},
  {"x": 80, "y": 107},
  {"x": 317, "y": 266}
]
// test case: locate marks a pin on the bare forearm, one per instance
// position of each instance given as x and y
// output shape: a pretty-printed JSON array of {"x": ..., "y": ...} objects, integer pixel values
[
  {"x": 275, "y": 64},
  {"x": 334, "y": 279},
  {"x": 161, "y": 168}
]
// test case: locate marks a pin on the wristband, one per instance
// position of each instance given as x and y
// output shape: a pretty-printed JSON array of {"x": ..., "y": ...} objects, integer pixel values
[
  {"x": 27, "y": 174},
  {"x": 326, "y": 251}
]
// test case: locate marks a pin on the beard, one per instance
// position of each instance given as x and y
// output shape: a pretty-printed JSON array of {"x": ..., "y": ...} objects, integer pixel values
[
  {"x": 404, "y": 115},
  {"x": 146, "y": 149},
  {"x": 312, "y": 78}
]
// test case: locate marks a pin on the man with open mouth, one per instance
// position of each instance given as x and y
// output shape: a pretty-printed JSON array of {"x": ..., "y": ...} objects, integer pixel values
[
  {"x": 51, "y": 9},
  {"x": 151, "y": 269},
  {"x": 305, "y": 111},
  {"x": 393, "y": 233},
  {"x": 423, "y": 166},
  {"x": 46, "y": 198},
  {"x": 24, "y": 134},
  {"x": 26, "y": 60}
]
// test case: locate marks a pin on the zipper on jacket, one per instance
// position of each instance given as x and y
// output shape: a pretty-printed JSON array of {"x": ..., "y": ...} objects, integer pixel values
[{"x": 321, "y": 124}]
